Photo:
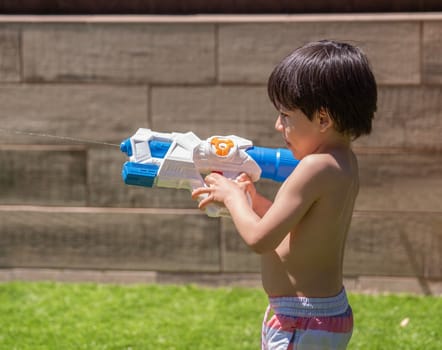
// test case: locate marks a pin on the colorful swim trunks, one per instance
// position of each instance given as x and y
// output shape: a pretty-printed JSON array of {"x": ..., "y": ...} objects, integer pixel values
[{"x": 300, "y": 323}]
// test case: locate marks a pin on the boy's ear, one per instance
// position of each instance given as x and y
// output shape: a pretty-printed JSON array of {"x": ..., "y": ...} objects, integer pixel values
[{"x": 324, "y": 120}]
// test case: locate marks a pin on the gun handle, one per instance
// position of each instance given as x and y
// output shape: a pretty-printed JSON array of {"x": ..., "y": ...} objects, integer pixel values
[{"x": 214, "y": 210}]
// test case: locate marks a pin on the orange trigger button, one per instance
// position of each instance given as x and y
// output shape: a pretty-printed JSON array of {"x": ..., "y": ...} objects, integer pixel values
[{"x": 222, "y": 146}]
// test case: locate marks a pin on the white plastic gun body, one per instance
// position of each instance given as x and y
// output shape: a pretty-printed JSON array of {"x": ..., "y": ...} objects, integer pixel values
[{"x": 180, "y": 160}]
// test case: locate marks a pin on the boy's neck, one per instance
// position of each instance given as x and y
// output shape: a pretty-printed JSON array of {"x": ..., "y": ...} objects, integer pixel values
[{"x": 334, "y": 141}]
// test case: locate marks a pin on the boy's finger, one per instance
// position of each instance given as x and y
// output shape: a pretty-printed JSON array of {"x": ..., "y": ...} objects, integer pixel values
[
  {"x": 243, "y": 177},
  {"x": 199, "y": 191},
  {"x": 204, "y": 202},
  {"x": 212, "y": 177}
]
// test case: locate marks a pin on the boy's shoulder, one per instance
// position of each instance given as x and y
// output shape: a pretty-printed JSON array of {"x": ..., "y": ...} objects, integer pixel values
[
  {"x": 321, "y": 162},
  {"x": 326, "y": 169}
]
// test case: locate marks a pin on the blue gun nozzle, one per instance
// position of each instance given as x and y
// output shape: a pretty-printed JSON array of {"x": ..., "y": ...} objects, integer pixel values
[
  {"x": 276, "y": 163},
  {"x": 126, "y": 147}
]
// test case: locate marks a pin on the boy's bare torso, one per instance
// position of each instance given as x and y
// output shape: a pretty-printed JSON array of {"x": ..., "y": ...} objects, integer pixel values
[{"x": 309, "y": 260}]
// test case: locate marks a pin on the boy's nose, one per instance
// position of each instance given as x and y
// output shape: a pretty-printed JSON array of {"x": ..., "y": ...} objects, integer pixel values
[{"x": 278, "y": 124}]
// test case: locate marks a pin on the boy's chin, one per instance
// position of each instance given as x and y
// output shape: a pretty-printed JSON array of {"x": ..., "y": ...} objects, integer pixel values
[{"x": 295, "y": 154}]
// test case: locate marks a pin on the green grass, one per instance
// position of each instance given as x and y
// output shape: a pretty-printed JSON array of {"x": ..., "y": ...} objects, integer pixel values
[{"x": 88, "y": 316}]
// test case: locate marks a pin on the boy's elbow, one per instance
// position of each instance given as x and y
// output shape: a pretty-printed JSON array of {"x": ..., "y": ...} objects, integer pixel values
[
  {"x": 258, "y": 239},
  {"x": 258, "y": 249},
  {"x": 261, "y": 247}
]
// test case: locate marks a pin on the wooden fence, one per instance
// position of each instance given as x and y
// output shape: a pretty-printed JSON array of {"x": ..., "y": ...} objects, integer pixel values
[{"x": 64, "y": 211}]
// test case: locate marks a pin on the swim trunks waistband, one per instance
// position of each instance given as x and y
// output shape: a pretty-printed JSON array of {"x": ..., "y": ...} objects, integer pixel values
[{"x": 309, "y": 307}]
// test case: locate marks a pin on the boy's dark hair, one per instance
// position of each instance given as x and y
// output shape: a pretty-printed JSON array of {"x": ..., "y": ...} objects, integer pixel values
[{"x": 327, "y": 75}]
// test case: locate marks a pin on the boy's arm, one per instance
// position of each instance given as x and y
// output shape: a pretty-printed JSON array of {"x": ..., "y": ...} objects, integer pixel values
[
  {"x": 295, "y": 197},
  {"x": 260, "y": 204}
]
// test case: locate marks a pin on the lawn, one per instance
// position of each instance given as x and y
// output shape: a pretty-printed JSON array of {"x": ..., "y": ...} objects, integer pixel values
[{"x": 90, "y": 316}]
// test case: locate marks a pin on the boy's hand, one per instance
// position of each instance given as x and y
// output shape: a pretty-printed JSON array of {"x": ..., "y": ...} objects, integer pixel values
[
  {"x": 259, "y": 203},
  {"x": 246, "y": 184},
  {"x": 221, "y": 189}
]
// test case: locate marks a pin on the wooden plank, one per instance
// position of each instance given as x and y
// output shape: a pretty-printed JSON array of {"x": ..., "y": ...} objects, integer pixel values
[
  {"x": 248, "y": 52},
  {"x": 403, "y": 244},
  {"x": 51, "y": 175},
  {"x": 247, "y": 280},
  {"x": 9, "y": 54},
  {"x": 77, "y": 275},
  {"x": 216, "y": 110},
  {"x": 232, "y": 109},
  {"x": 395, "y": 244},
  {"x": 236, "y": 256},
  {"x": 407, "y": 117},
  {"x": 399, "y": 180},
  {"x": 360, "y": 284},
  {"x": 95, "y": 112},
  {"x": 95, "y": 238},
  {"x": 380, "y": 244},
  {"x": 162, "y": 53},
  {"x": 383, "y": 284},
  {"x": 432, "y": 52}
]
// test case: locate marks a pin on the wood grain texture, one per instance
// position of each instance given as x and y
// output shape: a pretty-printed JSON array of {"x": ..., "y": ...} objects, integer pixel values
[
  {"x": 400, "y": 180},
  {"x": 432, "y": 52},
  {"x": 92, "y": 112},
  {"x": 97, "y": 239},
  {"x": 9, "y": 54},
  {"x": 407, "y": 117},
  {"x": 248, "y": 52},
  {"x": 131, "y": 53},
  {"x": 216, "y": 110},
  {"x": 236, "y": 256},
  {"x": 48, "y": 175},
  {"x": 395, "y": 244},
  {"x": 379, "y": 244},
  {"x": 101, "y": 80}
]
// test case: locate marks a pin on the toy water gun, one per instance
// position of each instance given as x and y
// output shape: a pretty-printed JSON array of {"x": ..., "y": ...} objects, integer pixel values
[{"x": 181, "y": 160}]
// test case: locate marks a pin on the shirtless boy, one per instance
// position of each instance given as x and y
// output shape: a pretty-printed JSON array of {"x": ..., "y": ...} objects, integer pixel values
[{"x": 326, "y": 96}]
